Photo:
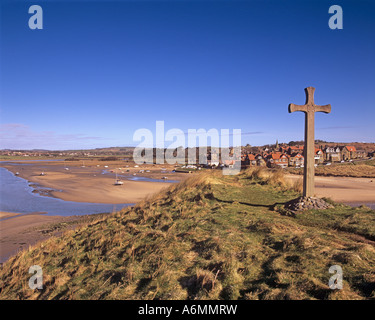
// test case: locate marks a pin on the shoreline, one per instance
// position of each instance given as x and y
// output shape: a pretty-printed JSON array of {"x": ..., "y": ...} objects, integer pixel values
[
  {"x": 94, "y": 183},
  {"x": 88, "y": 184}
]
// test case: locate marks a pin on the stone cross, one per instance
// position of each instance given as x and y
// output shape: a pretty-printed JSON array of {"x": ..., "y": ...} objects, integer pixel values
[{"x": 309, "y": 108}]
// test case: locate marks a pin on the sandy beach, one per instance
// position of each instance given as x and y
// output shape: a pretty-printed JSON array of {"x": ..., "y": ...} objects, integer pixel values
[
  {"x": 343, "y": 189},
  {"x": 85, "y": 182},
  {"x": 19, "y": 231}
]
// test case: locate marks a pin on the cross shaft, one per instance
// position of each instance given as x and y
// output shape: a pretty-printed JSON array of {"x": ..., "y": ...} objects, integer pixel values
[{"x": 309, "y": 108}]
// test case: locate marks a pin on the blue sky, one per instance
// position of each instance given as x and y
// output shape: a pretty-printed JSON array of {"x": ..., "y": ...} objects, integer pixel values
[{"x": 98, "y": 71}]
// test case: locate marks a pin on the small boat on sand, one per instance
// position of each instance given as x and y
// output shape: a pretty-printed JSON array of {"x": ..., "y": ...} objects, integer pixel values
[{"x": 118, "y": 182}]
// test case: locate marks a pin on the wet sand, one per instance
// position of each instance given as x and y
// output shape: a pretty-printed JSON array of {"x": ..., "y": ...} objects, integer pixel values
[
  {"x": 4, "y": 215},
  {"x": 87, "y": 183},
  {"x": 343, "y": 189},
  {"x": 19, "y": 231}
]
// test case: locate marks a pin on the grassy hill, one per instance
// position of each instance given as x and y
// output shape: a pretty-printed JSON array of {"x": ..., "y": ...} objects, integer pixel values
[{"x": 209, "y": 237}]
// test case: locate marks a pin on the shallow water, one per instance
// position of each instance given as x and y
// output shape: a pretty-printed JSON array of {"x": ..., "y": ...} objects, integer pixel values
[
  {"x": 16, "y": 195},
  {"x": 139, "y": 178}
]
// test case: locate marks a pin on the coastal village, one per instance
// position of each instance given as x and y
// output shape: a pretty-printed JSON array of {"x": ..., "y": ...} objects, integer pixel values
[
  {"x": 284, "y": 155},
  {"x": 287, "y": 155},
  {"x": 272, "y": 156}
]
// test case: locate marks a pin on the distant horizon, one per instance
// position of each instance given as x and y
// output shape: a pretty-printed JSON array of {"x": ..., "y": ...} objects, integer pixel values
[{"x": 208, "y": 146}]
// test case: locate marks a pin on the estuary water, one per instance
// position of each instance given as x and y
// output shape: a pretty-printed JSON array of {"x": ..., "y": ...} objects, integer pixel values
[{"x": 16, "y": 195}]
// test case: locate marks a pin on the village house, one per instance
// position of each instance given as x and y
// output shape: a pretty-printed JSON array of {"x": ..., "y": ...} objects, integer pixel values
[
  {"x": 319, "y": 156},
  {"x": 348, "y": 152},
  {"x": 296, "y": 160},
  {"x": 277, "y": 158},
  {"x": 245, "y": 162},
  {"x": 361, "y": 154},
  {"x": 231, "y": 163},
  {"x": 252, "y": 160},
  {"x": 260, "y": 161},
  {"x": 248, "y": 160},
  {"x": 332, "y": 154}
]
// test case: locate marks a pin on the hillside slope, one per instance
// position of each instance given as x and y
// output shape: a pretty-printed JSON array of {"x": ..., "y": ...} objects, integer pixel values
[{"x": 210, "y": 237}]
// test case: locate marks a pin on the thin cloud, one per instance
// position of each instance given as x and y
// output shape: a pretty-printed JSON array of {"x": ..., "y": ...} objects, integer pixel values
[
  {"x": 251, "y": 133},
  {"x": 337, "y": 127},
  {"x": 230, "y": 134},
  {"x": 20, "y": 136}
]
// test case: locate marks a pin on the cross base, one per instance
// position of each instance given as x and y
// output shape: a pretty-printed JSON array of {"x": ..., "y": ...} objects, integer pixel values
[{"x": 307, "y": 203}]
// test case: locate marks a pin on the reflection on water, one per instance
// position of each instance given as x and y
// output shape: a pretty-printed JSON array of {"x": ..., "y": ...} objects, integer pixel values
[
  {"x": 139, "y": 178},
  {"x": 136, "y": 178},
  {"x": 16, "y": 196}
]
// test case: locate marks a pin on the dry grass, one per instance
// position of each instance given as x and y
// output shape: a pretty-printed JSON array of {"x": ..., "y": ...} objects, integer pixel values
[
  {"x": 210, "y": 237},
  {"x": 342, "y": 170},
  {"x": 359, "y": 170},
  {"x": 273, "y": 177}
]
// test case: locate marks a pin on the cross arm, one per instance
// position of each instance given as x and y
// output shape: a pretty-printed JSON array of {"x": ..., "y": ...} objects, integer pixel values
[
  {"x": 325, "y": 109},
  {"x": 295, "y": 107}
]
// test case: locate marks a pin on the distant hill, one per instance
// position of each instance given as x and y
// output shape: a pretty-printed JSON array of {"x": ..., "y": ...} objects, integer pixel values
[
  {"x": 129, "y": 150},
  {"x": 209, "y": 237}
]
